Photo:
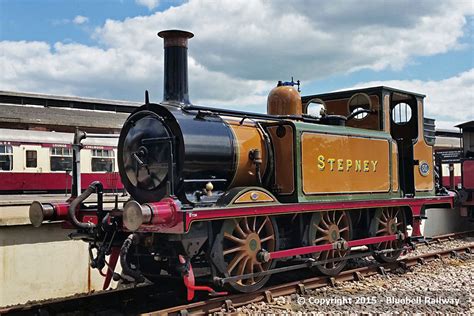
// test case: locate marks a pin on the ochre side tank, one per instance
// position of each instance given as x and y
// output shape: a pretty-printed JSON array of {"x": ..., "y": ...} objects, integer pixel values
[{"x": 284, "y": 99}]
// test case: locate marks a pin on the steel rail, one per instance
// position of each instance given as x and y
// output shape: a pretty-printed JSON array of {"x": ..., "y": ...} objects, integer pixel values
[{"x": 446, "y": 237}]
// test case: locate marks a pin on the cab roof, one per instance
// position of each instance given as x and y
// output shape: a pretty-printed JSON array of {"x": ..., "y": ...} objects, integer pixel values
[{"x": 369, "y": 90}]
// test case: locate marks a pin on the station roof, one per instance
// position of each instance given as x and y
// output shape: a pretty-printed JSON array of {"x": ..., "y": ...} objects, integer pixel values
[
  {"x": 62, "y": 113},
  {"x": 448, "y": 132},
  {"x": 59, "y": 101},
  {"x": 467, "y": 125},
  {"x": 53, "y": 117}
]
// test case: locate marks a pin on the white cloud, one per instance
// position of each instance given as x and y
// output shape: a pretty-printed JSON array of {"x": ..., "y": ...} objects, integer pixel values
[
  {"x": 241, "y": 48},
  {"x": 310, "y": 39},
  {"x": 58, "y": 22},
  {"x": 449, "y": 101},
  {"x": 150, "y": 4},
  {"x": 79, "y": 19}
]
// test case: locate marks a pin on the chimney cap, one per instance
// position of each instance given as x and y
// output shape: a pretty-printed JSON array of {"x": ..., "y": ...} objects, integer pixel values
[{"x": 175, "y": 37}]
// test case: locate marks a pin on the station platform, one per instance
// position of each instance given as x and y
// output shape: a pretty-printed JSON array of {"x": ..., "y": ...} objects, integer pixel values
[
  {"x": 442, "y": 221},
  {"x": 42, "y": 263}
]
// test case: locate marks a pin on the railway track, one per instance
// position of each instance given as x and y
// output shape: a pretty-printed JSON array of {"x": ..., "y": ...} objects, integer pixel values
[
  {"x": 445, "y": 237},
  {"x": 303, "y": 285},
  {"x": 161, "y": 299}
]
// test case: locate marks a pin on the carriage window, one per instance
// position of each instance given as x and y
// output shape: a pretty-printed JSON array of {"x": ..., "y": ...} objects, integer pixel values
[
  {"x": 61, "y": 159},
  {"x": 401, "y": 113},
  {"x": 103, "y": 160},
  {"x": 357, "y": 102},
  {"x": 31, "y": 159},
  {"x": 6, "y": 158}
]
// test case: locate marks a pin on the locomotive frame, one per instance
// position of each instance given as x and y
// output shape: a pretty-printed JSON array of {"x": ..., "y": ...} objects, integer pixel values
[{"x": 237, "y": 193}]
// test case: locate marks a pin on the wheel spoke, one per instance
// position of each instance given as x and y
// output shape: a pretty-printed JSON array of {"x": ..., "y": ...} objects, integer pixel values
[
  {"x": 249, "y": 269},
  {"x": 242, "y": 265},
  {"x": 331, "y": 254},
  {"x": 381, "y": 221},
  {"x": 329, "y": 257},
  {"x": 246, "y": 225},
  {"x": 262, "y": 225},
  {"x": 251, "y": 266},
  {"x": 343, "y": 229},
  {"x": 323, "y": 221},
  {"x": 328, "y": 218},
  {"x": 271, "y": 237},
  {"x": 239, "y": 230},
  {"x": 234, "y": 239},
  {"x": 325, "y": 237},
  {"x": 321, "y": 229},
  {"x": 334, "y": 216},
  {"x": 254, "y": 223},
  {"x": 380, "y": 230},
  {"x": 340, "y": 218},
  {"x": 324, "y": 255},
  {"x": 233, "y": 249},
  {"x": 235, "y": 261}
]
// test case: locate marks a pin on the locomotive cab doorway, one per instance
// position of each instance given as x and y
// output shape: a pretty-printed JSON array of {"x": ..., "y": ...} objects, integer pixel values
[{"x": 404, "y": 130}]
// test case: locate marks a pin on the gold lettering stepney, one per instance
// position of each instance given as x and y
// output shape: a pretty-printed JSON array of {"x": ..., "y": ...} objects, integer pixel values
[{"x": 346, "y": 165}]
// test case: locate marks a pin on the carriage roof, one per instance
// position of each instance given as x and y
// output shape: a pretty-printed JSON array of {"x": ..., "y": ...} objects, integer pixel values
[{"x": 45, "y": 137}]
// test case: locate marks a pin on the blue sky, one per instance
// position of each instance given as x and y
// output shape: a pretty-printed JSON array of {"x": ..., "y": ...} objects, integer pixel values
[
  {"x": 45, "y": 20},
  {"x": 108, "y": 49}
]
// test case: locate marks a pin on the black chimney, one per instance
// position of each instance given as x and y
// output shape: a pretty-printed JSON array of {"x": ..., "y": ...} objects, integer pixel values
[{"x": 175, "y": 88}]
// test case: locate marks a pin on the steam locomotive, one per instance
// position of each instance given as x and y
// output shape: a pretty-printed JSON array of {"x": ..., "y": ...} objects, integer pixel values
[{"x": 229, "y": 195}]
